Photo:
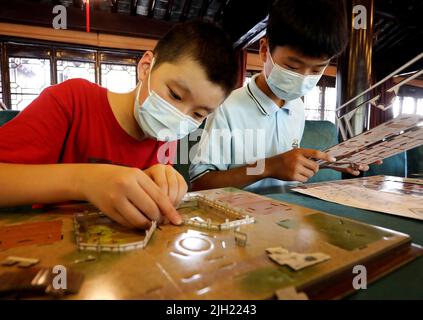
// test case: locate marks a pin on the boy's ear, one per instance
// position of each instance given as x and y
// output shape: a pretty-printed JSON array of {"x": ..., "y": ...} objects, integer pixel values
[
  {"x": 263, "y": 49},
  {"x": 144, "y": 65}
]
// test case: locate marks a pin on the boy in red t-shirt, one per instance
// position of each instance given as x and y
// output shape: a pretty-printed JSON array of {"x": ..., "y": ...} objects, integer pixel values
[{"x": 78, "y": 141}]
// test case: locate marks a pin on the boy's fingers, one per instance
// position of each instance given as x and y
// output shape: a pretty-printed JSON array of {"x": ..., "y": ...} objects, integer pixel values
[
  {"x": 161, "y": 180},
  {"x": 316, "y": 154},
  {"x": 363, "y": 167},
  {"x": 115, "y": 215},
  {"x": 300, "y": 178},
  {"x": 170, "y": 212},
  {"x": 307, "y": 172},
  {"x": 173, "y": 189},
  {"x": 143, "y": 201},
  {"x": 161, "y": 199},
  {"x": 127, "y": 210},
  {"x": 352, "y": 171},
  {"x": 183, "y": 188},
  {"x": 310, "y": 164}
]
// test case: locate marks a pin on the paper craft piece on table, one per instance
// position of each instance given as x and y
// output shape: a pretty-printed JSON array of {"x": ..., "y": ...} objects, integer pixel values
[
  {"x": 94, "y": 231},
  {"x": 290, "y": 293},
  {"x": 253, "y": 204},
  {"x": 240, "y": 238},
  {"x": 392, "y": 195},
  {"x": 294, "y": 260},
  {"x": 220, "y": 216},
  {"x": 388, "y": 139},
  {"x": 89, "y": 258},
  {"x": 21, "y": 262}
]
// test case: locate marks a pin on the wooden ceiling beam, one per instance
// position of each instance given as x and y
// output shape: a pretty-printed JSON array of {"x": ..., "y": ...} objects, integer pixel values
[
  {"x": 22, "y": 12},
  {"x": 252, "y": 35}
]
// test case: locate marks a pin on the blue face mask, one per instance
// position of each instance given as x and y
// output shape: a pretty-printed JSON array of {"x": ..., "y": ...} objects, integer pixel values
[
  {"x": 288, "y": 85},
  {"x": 159, "y": 119}
]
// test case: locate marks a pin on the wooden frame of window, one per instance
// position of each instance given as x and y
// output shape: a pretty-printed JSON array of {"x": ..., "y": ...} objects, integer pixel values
[
  {"x": 5, "y": 77},
  {"x": 22, "y": 48}
]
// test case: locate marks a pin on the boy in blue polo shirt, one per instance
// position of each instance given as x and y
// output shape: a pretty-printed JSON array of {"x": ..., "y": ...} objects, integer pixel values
[{"x": 252, "y": 140}]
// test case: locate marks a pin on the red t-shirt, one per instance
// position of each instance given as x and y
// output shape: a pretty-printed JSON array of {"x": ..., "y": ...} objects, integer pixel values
[{"x": 73, "y": 122}]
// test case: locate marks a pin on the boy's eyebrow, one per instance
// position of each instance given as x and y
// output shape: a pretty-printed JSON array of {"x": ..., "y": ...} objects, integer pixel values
[
  {"x": 181, "y": 84},
  {"x": 322, "y": 64},
  {"x": 298, "y": 60}
]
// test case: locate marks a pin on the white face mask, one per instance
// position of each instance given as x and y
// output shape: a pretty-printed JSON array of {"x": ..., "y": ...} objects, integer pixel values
[
  {"x": 288, "y": 85},
  {"x": 159, "y": 119}
]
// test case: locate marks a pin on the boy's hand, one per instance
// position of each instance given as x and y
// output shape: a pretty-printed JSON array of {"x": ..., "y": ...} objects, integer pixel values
[
  {"x": 169, "y": 181},
  {"x": 127, "y": 195},
  {"x": 295, "y": 165},
  {"x": 355, "y": 171}
]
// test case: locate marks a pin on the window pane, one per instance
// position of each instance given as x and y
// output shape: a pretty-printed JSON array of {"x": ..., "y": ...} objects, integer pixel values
[
  {"x": 118, "y": 78},
  {"x": 313, "y": 114},
  {"x": 408, "y": 105},
  {"x": 396, "y": 106},
  {"x": 312, "y": 104},
  {"x": 28, "y": 77},
  {"x": 420, "y": 106},
  {"x": 330, "y": 104},
  {"x": 67, "y": 69},
  {"x": 143, "y": 7}
]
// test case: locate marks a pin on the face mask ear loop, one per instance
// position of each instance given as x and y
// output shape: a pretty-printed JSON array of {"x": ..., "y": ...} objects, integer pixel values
[
  {"x": 271, "y": 59},
  {"x": 149, "y": 76},
  {"x": 148, "y": 85},
  {"x": 273, "y": 64},
  {"x": 137, "y": 93}
]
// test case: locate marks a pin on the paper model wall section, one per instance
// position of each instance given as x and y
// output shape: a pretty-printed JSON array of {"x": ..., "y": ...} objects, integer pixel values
[
  {"x": 99, "y": 241},
  {"x": 234, "y": 217},
  {"x": 93, "y": 231}
]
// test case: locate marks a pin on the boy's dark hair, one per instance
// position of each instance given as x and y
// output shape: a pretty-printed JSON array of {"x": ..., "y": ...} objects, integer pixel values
[
  {"x": 316, "y": 28},
  {"x": 207, "y": 44}
]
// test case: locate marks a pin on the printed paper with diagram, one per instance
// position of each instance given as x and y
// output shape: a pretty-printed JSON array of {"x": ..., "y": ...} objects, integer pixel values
[
  {"x": 388, "y": 139},
  {"x": 392, "y": 195}
]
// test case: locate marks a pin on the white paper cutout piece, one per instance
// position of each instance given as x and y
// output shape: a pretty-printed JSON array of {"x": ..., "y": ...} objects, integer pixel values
[{"x": 392, "y": 195}]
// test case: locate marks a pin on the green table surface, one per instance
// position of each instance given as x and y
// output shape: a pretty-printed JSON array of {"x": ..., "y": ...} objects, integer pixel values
[{"x": 404, "y": 283}]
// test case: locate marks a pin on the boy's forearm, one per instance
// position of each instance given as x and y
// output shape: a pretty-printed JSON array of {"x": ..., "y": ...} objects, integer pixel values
[
  {"x": 22, "y": 184},
  {"x": 236, "y": 177}
]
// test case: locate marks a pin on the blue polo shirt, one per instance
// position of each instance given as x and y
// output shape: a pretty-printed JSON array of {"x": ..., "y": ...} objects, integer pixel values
[{"x": 247, "y": 127}]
